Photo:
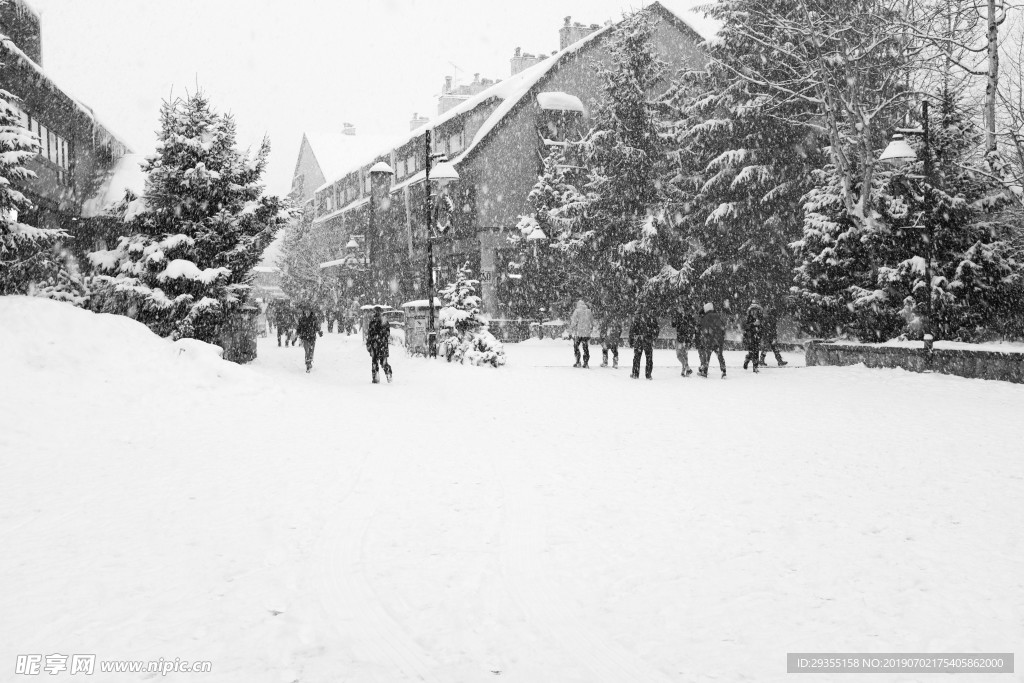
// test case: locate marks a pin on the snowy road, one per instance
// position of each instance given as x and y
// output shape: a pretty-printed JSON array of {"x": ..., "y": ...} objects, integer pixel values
[{"x": 533, "y": 523}]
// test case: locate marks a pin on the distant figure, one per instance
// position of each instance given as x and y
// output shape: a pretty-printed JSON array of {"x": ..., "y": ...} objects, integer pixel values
[
  {"x": 378, "y": 335},
  {"x": 611, "y": 339},
  {"x": 642, "y": 333},
  {"x": 285, "y": 318},
  {"x": 752, "y": 325},
  {"x": 770, "y": 335},
  {"x": 581, "y": 326},
  {"x": 686, "y": 330},
  {"x": 710, "y": 339},
  {"x": 307, "y": 328}
]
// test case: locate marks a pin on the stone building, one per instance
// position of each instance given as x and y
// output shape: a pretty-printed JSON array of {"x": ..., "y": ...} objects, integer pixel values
[
  {"x": 78, "y": 154},
  {"x": 496, "y": 140}
]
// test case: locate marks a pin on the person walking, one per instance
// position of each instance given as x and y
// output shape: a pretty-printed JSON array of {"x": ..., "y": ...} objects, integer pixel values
[
  {"x": 770, "y": 335},
  {"x": 611, "y": 339},
  {"x": 752, "y": 324},
  {"x": 307, "y": 329},
  {"x": 378, "y": 335},
  {"x": 710, "y": 339},
  {"x": 686, "y": 330},
  {"x": 581, "y": 326},
  {"x": 286, "y": 319},
  {"x": 642, "y": 333}
]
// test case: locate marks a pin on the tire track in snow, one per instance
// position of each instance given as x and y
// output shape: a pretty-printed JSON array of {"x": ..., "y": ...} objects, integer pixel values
[
  {"x": 539, "y": 598},
  {"x": 375, "y": 638}
]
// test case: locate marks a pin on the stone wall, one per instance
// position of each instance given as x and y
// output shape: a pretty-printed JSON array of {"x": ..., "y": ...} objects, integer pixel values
[{"x": 1000, "y": 365}]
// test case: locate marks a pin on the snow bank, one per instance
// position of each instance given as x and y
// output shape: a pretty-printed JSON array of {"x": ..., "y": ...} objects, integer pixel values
[{"x": 49, "y": 341}]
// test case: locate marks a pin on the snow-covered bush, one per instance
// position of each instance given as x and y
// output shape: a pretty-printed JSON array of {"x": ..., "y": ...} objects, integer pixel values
[{"x": 464, "y": 330}]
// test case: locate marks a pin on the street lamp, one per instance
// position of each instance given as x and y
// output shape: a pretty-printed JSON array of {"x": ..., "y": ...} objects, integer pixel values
[
  {"x": 899, "y": 153},
  {"x": 444, "y": 173}
]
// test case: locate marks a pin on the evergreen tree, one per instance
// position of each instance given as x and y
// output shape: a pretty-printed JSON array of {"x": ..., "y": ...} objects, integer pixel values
[
  {"x": 532, "y": 274},
  {"x": 29, "y": 258},
  {"x": 460, "y": 305},
  {"x": 198, "y": 230},
  {"x": 868, "y": 280},
  {"x": 741, "y": 161},
  {"x": 616, "y": 231},
  {"x": 468, "y": 340}
]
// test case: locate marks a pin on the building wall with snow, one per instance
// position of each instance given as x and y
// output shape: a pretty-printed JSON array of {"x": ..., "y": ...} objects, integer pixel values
[
  {"x": 77, "y": 152},
  {"x": 497, "y": 141}
]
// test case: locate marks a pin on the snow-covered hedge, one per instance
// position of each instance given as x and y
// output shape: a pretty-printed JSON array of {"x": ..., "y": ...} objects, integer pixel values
[{"x": 475, "y": 348}]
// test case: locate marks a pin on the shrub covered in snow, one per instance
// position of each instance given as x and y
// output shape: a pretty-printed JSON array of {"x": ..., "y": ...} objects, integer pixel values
[{"x": 465, "y": 337}]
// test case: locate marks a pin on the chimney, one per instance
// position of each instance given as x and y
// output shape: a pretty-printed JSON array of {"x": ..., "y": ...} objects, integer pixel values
[
  {"x": 523, "y": 60},
  {"x": 416, "y": 121},
  {"x": 348, "y": 129},
  {"x": 447, "y": 84},
  {"x": 572, "y": 32}
]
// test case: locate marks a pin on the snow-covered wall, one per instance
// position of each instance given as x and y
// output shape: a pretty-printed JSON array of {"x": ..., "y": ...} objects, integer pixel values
[{"x": 960, "y": 360}]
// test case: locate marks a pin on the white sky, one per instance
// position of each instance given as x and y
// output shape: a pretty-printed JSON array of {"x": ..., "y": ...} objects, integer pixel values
[{"x": 285, "y": 66}]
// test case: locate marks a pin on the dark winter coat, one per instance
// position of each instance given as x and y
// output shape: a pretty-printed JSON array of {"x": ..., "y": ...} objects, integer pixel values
[
  {"x": 711, "y": 330},
  {"x": 308, "y": 326},
  {"x": 285, "y": 317},
  {"x": 611, "y": 331},
  {"x": 686, "y": 327},
  {"x": 645, "y": 329},
  {"x": 753, "y": 326},
  {"x": 770, "y": 326},
  {"x": 378, "y": 336}
]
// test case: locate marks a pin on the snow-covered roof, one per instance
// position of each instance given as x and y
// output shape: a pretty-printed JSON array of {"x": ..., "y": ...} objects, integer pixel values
[
  {"x": 560, "y": 101},
  {"x": 9, "y": 49},
  {"x": 381, "y": 167},
  {"x": 421, "y": 303},
  {"x": 339, "y": 154},
  {"x": 510, "y": 92},
  {"x": 126, "y": 174}
]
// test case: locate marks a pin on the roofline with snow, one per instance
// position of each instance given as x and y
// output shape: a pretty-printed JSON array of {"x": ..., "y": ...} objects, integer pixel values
[
  {"x": 485, "y": 97},
  {"x": 9, "y": 48}
]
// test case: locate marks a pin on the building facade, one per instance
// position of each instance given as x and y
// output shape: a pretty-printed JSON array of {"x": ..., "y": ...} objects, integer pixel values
[
  {"x": 77, "y": 153},
  {"x": 496, "y": 140}
]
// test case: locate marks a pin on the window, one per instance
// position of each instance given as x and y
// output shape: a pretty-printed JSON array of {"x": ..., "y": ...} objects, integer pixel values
[
  {"x": 366, "y": 184},
  {"x": 455, "y": 143},
  {"x": 410, "y": 164}
]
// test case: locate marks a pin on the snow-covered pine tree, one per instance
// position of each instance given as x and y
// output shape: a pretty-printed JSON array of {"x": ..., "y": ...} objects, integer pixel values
[
  {"x": 618, "y": 235},
  {"x": 198, "y": 230},
  {"x": 468, "y": 340},
  {"x": 28, "y": 258},
  {"x": 975, "y": 267},
  {"x": 533, "y": 275},
  {"x": 741, "y": 159}
]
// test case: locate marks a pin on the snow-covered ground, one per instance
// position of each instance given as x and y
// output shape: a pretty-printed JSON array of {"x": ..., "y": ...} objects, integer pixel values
[{"x": 531, "y": 523}]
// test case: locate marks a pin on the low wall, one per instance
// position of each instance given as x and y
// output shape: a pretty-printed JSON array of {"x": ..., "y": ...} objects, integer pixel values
[{"x": 1000, "y": 365}]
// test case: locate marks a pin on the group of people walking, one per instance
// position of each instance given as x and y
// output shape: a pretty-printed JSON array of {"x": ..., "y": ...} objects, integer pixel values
[
  {"x": 303, "y": 322},
  {"x": 704, "y": 329}
]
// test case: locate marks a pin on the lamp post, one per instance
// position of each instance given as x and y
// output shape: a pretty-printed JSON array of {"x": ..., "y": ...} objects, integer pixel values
[
  {"x": 444, "y": 173},
  {"x": 898, "y": 153}
]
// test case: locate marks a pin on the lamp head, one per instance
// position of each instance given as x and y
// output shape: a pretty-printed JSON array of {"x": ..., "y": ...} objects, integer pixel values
[
  {"x": 536, "y": 235},
  {"x": 352, "y": 244},
  {"x": 898, "y": 152},
  {"x": 443, "y": 172}
]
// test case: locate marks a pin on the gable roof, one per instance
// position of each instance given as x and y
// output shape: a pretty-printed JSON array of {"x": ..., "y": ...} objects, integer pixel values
[{"x": 510, "y": 93}]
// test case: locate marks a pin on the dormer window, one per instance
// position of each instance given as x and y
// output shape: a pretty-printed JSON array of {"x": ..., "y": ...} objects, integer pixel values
[{"x": 561, "y": 117}]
